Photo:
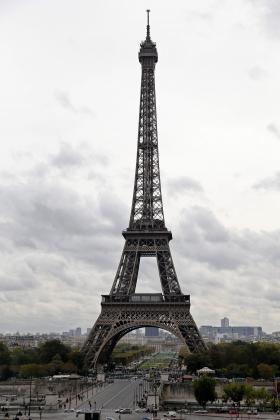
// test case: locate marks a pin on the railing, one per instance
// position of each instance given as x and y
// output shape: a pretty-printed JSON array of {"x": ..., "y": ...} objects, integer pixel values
[{"x": 146, "y": 298}]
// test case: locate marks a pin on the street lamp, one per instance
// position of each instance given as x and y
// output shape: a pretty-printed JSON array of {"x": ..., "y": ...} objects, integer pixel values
[
  {"x": 155, "y": 388},
  {"x": 30, "y": 386},
  {"x": 140, "y": 390}
]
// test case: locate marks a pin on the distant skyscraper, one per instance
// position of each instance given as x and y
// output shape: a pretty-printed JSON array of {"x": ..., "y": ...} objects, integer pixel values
[
  {"x": 78, "y": 332},
  {"x": 151, "y": 332},
  {"x": 225, "y": 322}
]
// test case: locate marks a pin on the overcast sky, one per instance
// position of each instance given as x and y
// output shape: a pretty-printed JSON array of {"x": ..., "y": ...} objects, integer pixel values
[{"x": 69, "y": 99}]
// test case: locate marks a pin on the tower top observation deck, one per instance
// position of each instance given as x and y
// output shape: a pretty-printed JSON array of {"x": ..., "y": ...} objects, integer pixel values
[{"x": 148, "y": 47}]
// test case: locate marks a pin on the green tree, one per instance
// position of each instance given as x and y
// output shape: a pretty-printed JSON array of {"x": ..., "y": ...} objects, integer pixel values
[
  {"x": 76, "y": 358},
  {"x": 21, "y": 356},
  {"x": 204, "y": 390},
  {"x": 263, "y": 396},
  {"x": 5, "y": 361},
  {"x": 249, "y": 394},
  {"x": 197, "y": 361},
  {"x": 5, "y": 357},
  {"x": 56, "y": 365},
  {"x": 32, "y": 370},
  {"x": 51, "y": 348},
  {"x": 265, "y": 371},
  {"x": 234, "y": 392}
]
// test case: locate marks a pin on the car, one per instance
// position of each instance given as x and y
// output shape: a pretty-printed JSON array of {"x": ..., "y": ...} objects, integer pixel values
[
  {"x": 117, "y": 410},
  {"x": 254, "y": 411},
  {"x": 83, "y": 411},
  {"x": 201, "y": 412},
  {"x": 170, "y": 414},
  {"x": 110, "y": 418},
  {"x": 69, "y": 410},
  {"x": 125, "y": 411},
  {"x": 140, "y": 410}
]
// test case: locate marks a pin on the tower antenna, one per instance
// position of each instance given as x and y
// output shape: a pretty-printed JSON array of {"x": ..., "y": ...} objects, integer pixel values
[{"x": 148, "y": 25}]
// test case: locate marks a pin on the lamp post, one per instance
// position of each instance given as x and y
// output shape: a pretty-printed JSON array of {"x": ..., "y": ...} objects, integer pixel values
[
  {"x": 30, "y": 386},
  {"x": 155, "y": 386},
  {"x": 141, "y": 390},
  {"x": 155, "y": 389}
]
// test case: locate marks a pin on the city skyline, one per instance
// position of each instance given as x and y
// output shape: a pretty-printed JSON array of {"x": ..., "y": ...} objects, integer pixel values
[{"x": 70, "y": 95}]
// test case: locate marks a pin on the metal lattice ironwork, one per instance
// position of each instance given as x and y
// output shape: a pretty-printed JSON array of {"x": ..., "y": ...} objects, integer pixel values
[{"x": 147, "y": 236}]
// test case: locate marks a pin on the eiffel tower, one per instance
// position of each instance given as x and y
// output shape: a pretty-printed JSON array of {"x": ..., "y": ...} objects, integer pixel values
[{"x": 123, "y": 310}]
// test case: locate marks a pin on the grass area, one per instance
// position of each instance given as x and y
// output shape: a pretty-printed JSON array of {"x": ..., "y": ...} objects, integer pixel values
[{"x": 158, "y": 361}]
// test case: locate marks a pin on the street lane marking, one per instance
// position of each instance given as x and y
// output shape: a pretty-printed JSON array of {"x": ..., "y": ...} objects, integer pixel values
[{"x": 121, "y": 391}]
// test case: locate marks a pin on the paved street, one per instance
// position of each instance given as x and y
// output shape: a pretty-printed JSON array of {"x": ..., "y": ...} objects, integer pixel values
[{"x": 118, "y": 394}]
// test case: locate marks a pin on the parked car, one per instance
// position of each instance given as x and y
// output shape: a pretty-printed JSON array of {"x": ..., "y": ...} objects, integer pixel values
[
  {"x": 170, "y": 414},
  {"x": 125, "y": 411}
]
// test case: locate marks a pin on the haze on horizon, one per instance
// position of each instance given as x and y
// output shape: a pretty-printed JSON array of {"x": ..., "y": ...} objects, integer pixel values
[{"x": 69, "y": 82}]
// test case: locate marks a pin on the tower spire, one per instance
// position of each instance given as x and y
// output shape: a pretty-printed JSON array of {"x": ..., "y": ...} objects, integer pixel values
[{"x": 148, "y": 37}]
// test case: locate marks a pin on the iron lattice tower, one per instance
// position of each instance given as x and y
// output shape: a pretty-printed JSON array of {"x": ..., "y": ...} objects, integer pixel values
[{"x": 147, "y": 236}]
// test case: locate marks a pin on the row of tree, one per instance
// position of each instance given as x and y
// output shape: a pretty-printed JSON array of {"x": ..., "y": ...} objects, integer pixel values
[
  {"x": 124, "y": 353},
  {"x": 49, "y": 358},
  {"x": 204, "y": 391},
  {"x": 53, "y": 357},
  {"x": 237, "y": 359}
]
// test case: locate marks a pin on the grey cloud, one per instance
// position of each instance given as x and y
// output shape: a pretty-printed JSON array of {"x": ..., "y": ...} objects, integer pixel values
[
  {"x": 15, "y": 284},
  {"x": 197, "y": 15},
  {"x": 70, "y": 157},
  {"x": 205, "y": 239},
  {"x": 67, "y": 156},
  {"x": 269, "y": 184},
  {"x": 241, "y": 270},
  {"x": 257, "y": 73},
  {"x": 183, "y": 184},
  {"x": 54, "y": 240},
  {"x": 48, "y": 215},
  {"x": 271, "y": 13},
  {"x": 64, "y": 100},
  {"x": 274, "y": 130}
]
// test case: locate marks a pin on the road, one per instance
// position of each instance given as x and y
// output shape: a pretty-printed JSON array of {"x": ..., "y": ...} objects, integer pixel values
[{"x": 120, "y": 394}]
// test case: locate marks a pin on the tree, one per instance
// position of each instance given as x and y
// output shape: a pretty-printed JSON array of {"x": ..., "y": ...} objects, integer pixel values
[
  {"x": 265, "y": 371},
  {"x": 197, "y": 361},
  {"x": 204, "y": 390},
  {"x": 32, "y": 370},
  {"x": 5, "y": 361},
  {"x": 51, "y": 348},
  {"x": 263, "y": 396},
  {"x": 5, "y": 357},
  {"x": 76, "y": 357},
  {"x": 56, "y": 365},
  {"x": 235, "y": 392},
  {"x": 21, "y": 356},
  {"x": 249, "y": 394}
]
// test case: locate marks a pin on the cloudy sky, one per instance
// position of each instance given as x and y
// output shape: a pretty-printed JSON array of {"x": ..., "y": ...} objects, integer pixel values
[{"x": 69, "y": 98}]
